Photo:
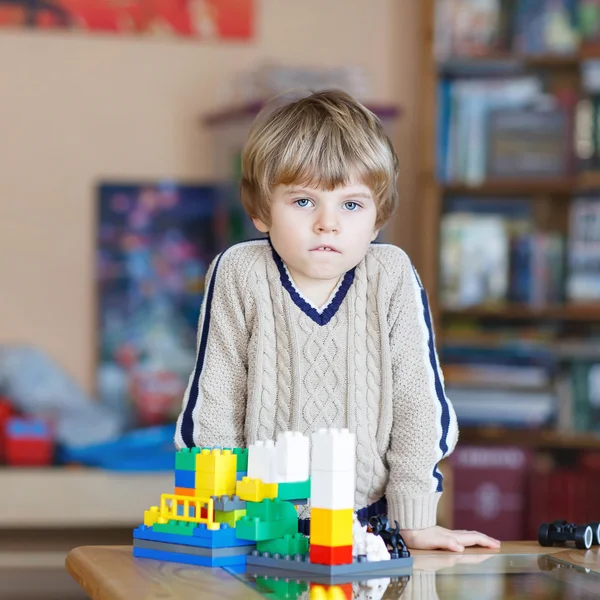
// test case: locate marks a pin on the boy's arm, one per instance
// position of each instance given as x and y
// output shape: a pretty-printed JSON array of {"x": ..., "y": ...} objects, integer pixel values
[
  {"x": 214, "y": 404},
  {"x": 424, "y": 428}
]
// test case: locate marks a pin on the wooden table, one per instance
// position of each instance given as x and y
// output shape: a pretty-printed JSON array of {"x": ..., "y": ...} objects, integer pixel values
[{"x": 112, "y": 573}]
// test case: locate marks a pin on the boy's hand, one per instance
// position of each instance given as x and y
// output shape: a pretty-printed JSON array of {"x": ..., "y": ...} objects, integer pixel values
[{"x": 439, "y": 538}]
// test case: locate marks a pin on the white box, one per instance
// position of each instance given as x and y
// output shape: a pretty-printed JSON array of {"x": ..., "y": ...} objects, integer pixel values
[
  {"x": 293, "y": 452},
  {"x": 334, "y": 490},
  {"x": 262, "y": 461},
  {"x": 333, "y": 450}
]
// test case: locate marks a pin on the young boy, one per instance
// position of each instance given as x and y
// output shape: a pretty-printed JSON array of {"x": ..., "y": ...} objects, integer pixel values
[{"x": 315, "y": 326}]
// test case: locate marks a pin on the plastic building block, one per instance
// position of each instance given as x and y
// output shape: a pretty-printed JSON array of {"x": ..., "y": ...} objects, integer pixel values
[
  {"x": 151, "y": 516},
  {"x": 271, "y": 510},
  {"x": 292, "y": 457},
  {"x": 230, "y": 517},
  {"x": 262, "y": 461},
  {"x": 287, "y": 545},
  {"x": 185, "y": 459},
  {"x": 201, "y": 536},
  {"x": 298, "y": 567},
  {"x": 281, "y": 588},
  {"x": 298, "y": 490},
  {"x": 241, "y": 455},
  {"x": 195, "y": 550},
  {"x": 561, "y": 531},
  {"x": 185, "y": 491},
  {"x": 334, "y": 490},
  {"x": 331, "y": 527},
  {"x": 175, "y": 527},
  {"x": 28, "y": 442},
  {"x": 333, "y": 450},
  {"x": 330, "y": 555},
  {"x": 187, "y": 508},
  {"x": 185, "y": 479},
  {"x": 215, "y": 460},
  {"x": 254, "y": 490},
  {"x": 248, "y": 528},
  {"x": 215, "y": 472},
  {"x": 240, "y": 475},
  {"x": 225, "y": 503},
  {"x": 331, "y": 592},
  {"x": 188, "y": 559}
]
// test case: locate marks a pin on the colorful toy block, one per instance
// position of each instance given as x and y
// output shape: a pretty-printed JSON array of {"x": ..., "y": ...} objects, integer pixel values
[
  {"x": 281, "y": 588},
  {"x": 271, "y": 510},
  {"x": 330, "y": 555},
  {"x": 185, "y": 459},
  {"x": 331, "y": 527},
  {"x": 333, "y": 450},
  {"x": 189, "y": 559},
  {"x": 249, "y": 528},
  {"x": 254, "y": 490},
  {"x": 298, "y": 490},
  {"x": 225, "y": 503},
  {"x": 331, "y": 592},
  {"x": 229, "y": 517},
  {"x": 28, "y": 442},
  {"x": 193, "y": 550},
  {"x": 185, "y": 479},
  {"x": 333, "y": 490},
  {"x": 287, "y": 545},
  {"x": 292, "y": 457},
  {"x": 241, "y": 455},
  {"x": 201, "y": 536},
  {"x": 262, "y": 461}
]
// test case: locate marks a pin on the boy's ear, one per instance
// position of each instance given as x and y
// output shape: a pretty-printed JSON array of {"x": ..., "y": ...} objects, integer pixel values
[
  {"x": 260, "y": 225},
  {"x": 375, "y": 234}
]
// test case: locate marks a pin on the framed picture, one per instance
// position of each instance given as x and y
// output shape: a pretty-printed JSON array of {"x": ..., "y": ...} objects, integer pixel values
[
  {"x": 155, "y": 243},
  {"x": 201, "y": 19}
]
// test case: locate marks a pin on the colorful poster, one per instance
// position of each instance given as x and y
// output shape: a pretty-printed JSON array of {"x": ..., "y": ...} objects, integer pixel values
[
  {"x": 202, "y": 19},
  {"x": 154, "y": 246}
]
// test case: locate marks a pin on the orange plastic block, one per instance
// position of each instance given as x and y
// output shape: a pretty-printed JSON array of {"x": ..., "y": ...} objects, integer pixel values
[
  {"x": 331, "y": 527},
  {"x": 330, "y": 555},
  {"x": 181, "y": 491}
]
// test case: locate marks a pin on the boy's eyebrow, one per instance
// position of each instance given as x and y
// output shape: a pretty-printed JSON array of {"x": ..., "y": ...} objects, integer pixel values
[{"x": 295, "y": 191}]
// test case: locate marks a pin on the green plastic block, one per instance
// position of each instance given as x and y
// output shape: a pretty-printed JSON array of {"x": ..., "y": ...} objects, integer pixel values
[
  {"x": 280, "y": 589},
  {"x": 288, "y": 544},
  {"x": 249, "y": 528},
  {"x": 176, "y": 527},
  {"x": 242, "y": 458},
  {"x": 271, "y": 510},
  {"x": 185, "y": 459},
  {"x": 297, "y": 490}
]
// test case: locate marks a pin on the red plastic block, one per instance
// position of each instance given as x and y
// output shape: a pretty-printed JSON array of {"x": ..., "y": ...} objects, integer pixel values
[
  {"x": 330, "y": 555},
  {"x": 5, "y": 413}
]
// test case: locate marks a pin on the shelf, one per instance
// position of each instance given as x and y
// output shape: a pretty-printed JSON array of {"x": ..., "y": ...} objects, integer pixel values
[
  {"x": 572, "y": 312},
  {"x": 515, "y": 187},
  {"x": 64, "y": 497},
  {"x": 503, "y": 62},
  {"x": 529, "y": 438}
]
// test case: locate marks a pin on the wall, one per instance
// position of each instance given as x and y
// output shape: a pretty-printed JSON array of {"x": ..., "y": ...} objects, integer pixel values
[{"x": 77, "y": 108}]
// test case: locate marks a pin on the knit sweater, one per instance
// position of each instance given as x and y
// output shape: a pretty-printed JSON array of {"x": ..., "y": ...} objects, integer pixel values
[{"x": 269, "y": 361}]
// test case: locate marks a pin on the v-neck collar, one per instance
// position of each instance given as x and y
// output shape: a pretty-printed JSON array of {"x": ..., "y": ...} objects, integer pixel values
[{"x": 333, "y": 304}]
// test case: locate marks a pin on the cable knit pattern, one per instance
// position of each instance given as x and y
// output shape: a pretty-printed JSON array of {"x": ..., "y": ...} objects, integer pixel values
[{"x": 267, "y": 363}]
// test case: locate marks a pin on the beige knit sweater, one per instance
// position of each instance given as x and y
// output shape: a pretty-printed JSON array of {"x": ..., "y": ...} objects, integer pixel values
[{"x": 268, "y": 361}]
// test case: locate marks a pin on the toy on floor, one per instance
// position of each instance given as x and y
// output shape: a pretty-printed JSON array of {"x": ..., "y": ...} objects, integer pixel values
[
  {"x": 584, "y": 536},
  {"x": 236, "y": 506},
  {"x": 392, "y": 537}
]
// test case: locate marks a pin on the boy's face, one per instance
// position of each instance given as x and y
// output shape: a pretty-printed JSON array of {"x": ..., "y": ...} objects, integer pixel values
[{"x": 321, "y": 234}]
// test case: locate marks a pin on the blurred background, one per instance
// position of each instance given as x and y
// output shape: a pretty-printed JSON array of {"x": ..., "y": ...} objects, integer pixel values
[{"x": 121, "y": 128}]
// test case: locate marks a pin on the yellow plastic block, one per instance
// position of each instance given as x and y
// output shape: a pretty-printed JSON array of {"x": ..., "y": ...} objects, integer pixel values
[
  {"x": 216, "y": 472},
  {"x": 320, "y": 592},
  {"x": 151, "y": 516},
  {"x": 331, "y": 527},
  {"x": 229, "y": 517},
  {"x": 254, "y": 490}
]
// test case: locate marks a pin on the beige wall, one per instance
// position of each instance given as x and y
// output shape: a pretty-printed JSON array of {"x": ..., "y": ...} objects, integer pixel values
[{"x": 75, "y": 109}]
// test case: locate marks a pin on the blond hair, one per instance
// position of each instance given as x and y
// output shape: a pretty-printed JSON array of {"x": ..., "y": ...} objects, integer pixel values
[{"x": 322, "y": 140}]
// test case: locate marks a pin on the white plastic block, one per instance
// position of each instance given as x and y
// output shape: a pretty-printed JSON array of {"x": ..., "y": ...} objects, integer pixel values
[
  {"x": 293, "y": 457},
  {"x": 262, "y": 461},
  {"x": 333, "y": 450},
  {"x": 332, "y": 490}
]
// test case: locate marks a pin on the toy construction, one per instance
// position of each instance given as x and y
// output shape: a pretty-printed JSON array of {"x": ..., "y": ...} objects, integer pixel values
[{"x": 238, "y": 506}]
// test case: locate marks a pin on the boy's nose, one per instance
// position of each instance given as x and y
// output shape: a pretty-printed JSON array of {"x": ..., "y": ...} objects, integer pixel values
[{"x": 326, "y": 223}]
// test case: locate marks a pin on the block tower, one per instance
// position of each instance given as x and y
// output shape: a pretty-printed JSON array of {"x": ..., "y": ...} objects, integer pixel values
[{"x": 333, "y": 464}]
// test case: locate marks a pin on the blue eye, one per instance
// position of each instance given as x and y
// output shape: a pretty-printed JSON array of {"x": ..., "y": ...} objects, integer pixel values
[
  {"x": 352, "y": 206},
  {"x": 303, "y": 202}
]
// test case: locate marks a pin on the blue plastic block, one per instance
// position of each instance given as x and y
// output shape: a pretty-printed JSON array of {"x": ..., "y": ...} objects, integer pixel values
[
  {"x": 185, "y": 479},
  {"x": 240, "y": 475},
  {"x": 202, "y": 537},
  {"x": 190, "y": 559},
  {"x": 17, "y": 427}
]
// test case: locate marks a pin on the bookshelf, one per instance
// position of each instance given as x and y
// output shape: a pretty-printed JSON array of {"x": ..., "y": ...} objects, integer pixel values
[{"x": 551, "y": 196}]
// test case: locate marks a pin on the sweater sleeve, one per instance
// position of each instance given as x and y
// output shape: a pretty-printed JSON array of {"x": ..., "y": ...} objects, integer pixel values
[
  {"x": 214, "y": 404},
  {"x": 424, "y": 428}
]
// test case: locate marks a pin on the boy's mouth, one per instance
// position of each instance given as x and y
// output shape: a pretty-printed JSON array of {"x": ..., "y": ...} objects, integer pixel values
[{"x": 324, "y": 249}]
